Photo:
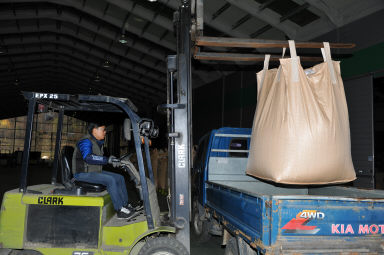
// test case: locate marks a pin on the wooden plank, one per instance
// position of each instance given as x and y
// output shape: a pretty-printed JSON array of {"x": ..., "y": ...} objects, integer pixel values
[
  {"x": 258, "y": 43},
  {"x": 245, "y": 57}
]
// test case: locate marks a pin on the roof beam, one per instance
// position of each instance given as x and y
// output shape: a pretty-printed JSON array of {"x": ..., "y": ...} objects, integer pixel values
[
  {"x": 74, "y": 9},
  {"x": 332, "y": 13},
  {"x": 332, "y": 18},
  {"x": 270, "y": 17},
  {"x": 67, "y": 19},
  {"x": 75, "y": 53},
  {"x": 71, "y": 15},
  {"x": 316, "y": 28},
  {"x": 58, "y": 76},
  {"x": 74, "y": 70},
  {"x": 71, "y": 80},
  {"x": 111, "y": 21},
  {"x": 83, "y": 46},
  {"x": 221, "y": 10},
  {"x": 143, "y": 13},
  {"x": 293, "y": 12},
  {"x": 241, "y": 21},
  {"x": 266, "y": 4},
  {"x": 261, "y": 31},
  {"x": 26, "y": 58}
]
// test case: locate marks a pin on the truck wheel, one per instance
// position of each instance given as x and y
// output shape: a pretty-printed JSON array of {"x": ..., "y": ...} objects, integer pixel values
[
  {"x": 197, "y": 222},
  {"x": 232, "y": 248},
  {"x": 205, "y": 236},
  {"x": 200, "y": 227},
  {"x": 163, "y": 246}
]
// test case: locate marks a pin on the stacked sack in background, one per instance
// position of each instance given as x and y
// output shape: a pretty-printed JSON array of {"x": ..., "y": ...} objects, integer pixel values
[
  {"x": 159, "y": 159},
  {"x": 159, "y": 162},
  {"x": 300, "y": 132}
]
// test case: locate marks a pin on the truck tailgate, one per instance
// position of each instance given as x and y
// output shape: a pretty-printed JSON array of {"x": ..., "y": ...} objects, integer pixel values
[{"x": 310, "y": 224}]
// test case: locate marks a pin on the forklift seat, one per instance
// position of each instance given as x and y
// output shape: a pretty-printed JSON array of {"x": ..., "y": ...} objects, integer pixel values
[{"x": 73, "y": 186}]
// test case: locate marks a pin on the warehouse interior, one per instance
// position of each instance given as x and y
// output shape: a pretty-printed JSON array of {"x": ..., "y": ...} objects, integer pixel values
[{"x": 121, "y": 49}]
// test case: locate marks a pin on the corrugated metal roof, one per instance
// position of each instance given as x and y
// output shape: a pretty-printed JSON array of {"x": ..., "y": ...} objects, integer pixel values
[{"x": 62, "y": 45}]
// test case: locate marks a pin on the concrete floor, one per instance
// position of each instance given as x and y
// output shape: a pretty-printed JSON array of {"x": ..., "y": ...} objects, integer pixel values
[
  {"x": 10, "y": 179},
  {"x": 212, "y": 247}
]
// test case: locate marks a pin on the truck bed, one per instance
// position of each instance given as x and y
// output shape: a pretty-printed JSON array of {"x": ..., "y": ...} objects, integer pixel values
[
  {"x": 259, "y": 188},
  {"x": 300, "y": 220}
]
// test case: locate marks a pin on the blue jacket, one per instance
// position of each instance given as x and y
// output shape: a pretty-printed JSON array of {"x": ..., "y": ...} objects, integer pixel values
[
  {"x": 85, "y": 147},
  {"x": 88, "y": 155}
]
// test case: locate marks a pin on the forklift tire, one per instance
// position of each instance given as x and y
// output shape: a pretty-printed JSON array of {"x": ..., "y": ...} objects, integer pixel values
[
  {"x": 232, "y": 248},
  {"x": 163, "y": 246}
]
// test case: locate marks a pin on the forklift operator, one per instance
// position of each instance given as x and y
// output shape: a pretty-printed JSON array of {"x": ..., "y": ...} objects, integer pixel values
[{"x": 87, "y": 163}]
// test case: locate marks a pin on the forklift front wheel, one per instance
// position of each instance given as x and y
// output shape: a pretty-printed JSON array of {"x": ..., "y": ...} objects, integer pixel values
[{"x": 163, "y": 246}]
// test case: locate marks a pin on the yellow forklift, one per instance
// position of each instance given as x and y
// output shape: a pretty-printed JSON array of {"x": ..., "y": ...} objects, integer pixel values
[{"x": 77, "y": 218}]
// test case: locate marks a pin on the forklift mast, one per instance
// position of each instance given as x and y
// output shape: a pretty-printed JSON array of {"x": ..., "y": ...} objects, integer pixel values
[{"x": 179, "y": 105}]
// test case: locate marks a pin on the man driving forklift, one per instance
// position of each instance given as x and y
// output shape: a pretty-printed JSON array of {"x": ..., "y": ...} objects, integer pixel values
[{"x": 87, "y": 166}]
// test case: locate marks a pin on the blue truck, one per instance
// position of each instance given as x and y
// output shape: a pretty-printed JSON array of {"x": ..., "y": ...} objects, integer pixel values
[{"x": 258, "y": 217}]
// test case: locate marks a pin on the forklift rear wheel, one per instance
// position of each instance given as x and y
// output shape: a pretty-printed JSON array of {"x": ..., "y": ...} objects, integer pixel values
[
  {"x": 163, "y": 246},
  {"x": 231, "y": 248}
]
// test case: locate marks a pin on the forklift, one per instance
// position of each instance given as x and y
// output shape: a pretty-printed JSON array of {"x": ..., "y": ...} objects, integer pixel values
[
  {"x": 75, "y": 218},
  {"x": 78, "y": 217}
]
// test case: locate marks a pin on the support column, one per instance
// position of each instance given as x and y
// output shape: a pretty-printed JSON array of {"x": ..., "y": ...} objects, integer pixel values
[
  {"x": 27, "y": 145},
  {"x": 57, "y": 146}
]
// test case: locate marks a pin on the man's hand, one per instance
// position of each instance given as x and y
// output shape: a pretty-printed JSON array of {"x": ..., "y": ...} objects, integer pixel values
[{"x": 115, "y": 162}]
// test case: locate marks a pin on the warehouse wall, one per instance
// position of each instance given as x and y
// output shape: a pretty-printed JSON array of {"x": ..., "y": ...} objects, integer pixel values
[
  {"x": 229, "y": 101},
  {"x": 12, "y": 133},
  {"x": 369, "y": 60}
]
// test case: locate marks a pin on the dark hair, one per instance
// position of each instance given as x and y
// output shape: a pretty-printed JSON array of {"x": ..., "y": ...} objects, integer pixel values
[{"x": 93, "y": 125}]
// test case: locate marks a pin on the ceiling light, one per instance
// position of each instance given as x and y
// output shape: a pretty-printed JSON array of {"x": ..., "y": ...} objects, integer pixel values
[
  {"x": 152, "y": 1},
  {"x": 97, "y": 78},
  {"x": 107, "y": 64},
  {"x": 123, "y": 39}
]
